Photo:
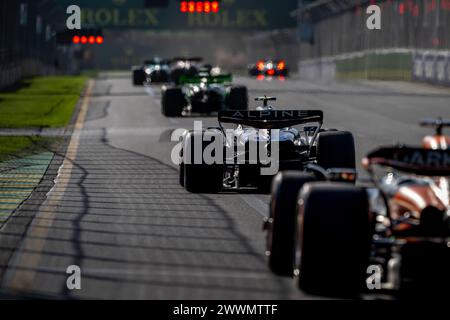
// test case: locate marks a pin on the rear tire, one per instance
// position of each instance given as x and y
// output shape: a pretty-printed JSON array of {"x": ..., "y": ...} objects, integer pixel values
[
  {"x": 282, "y": 220},
  {"x": 237, "y": 98},
  {"x": 181, "y": 177},
  {"x": 201, "y": 178},
  {"x": 138, "y": 77},
  {"x": 172, "y": 102},
  {"x": 333, "y": 239},
  {"x": 336, "y": 149}
]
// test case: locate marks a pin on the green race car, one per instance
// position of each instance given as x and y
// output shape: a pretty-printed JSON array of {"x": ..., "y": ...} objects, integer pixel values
[{"x": 203, "y": 93}]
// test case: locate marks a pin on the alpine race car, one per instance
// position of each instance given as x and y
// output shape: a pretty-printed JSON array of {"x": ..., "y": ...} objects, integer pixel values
[
  {"x": 242, "y": 152},
  {"x": 268, "y": 68},
  {"x": 392, "y": 235},
  {"x": 438, "y": 140},
  {"x": 203, "y": 93},
  {"x": 151, "y": 71}
]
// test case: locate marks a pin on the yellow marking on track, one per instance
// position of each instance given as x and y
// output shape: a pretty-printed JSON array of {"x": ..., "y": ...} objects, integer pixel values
[
  {"x": 10, "y": 200},
  {"x": 29, "y": 256},
  {"x": 3, "y": 180}
]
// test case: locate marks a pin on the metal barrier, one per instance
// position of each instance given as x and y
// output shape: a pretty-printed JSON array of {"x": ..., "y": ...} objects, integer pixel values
[
  {"x": 413, "y": 43},
  {"x": 27, "y": 38},
  {"x": 414, "y": 24},
  {"x": 432, "y": 67}
]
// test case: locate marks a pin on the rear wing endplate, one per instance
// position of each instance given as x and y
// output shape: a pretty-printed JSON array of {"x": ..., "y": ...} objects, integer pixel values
[{"x": 420, "y": 161}]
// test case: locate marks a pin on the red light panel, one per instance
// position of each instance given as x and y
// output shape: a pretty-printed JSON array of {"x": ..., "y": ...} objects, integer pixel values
[
  {"x": 91, "y": 39},
  {"x": 183, "y": 6},
  {"x": 207, "y": 7},
  {"x": 191, "y": 6},
  {"x": 84, "y": 39},
  {"x": 199, "y": 6},
  {"x": 215, "y": 6},
  {"x": 99, "y": 39},
  {"x": 401, "y": 8},
  {"x": 76, "y": 39}
]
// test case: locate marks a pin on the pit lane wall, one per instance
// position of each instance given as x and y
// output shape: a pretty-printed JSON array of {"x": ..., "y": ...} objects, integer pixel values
[{"x": 395, "y": 64}]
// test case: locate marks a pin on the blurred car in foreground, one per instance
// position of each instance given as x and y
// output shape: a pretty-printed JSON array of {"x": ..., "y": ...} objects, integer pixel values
[
  {"x": 398, "y": 228},
  {"x": 298, "y": 148},
  {"x": 268, "y": 68},
  {"x": 203, "y": 93}
]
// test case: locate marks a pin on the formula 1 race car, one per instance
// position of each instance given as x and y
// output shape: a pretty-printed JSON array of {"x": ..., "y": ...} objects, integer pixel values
[
  {"x": 203, "y": 93},
  {"x": 438, "y": 140},
  {"x": 262, "y": 142},
  {"x": 151, "y": 71},
  {"x": 340, "y": 239},
  {"x": 183, "y": 66},
  {"x": 268, "y": 68}
]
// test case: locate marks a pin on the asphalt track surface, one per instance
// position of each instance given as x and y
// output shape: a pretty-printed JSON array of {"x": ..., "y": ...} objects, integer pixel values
[{"x": 118, "y": 212}]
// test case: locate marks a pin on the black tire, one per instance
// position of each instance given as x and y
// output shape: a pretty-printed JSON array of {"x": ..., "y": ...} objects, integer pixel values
[
  {"x": 172, "y": 102},
  {"x": 138, "y": 77},
  {"x": 282, "y": 220},
  {"x": 253, "y": 72},
  {"x": 181, "y": 177},
  {"x": 264, "y": 183},
  {"x": 336, "y": 149},
  {"x": 284, "y": 73},
  {"x": 203, "y": 177},
  {"x": 237, "y": 98},
  {"x": 333, "y": 239}
]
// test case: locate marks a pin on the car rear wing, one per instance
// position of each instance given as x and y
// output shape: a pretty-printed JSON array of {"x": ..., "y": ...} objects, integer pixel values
[
  {"x": 437, "y": 123},
  {"x": 222, "y": 78},
  {"x": 191, "y": 59},
  {"x": 271, "y": 119},
  {"x": 419, "y": 161}
]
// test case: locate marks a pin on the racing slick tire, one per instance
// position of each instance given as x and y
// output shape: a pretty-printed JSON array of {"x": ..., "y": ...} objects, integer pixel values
[
  {"x": 181, "y": 178},
  {"x": 336, "y": 149},
  {"x": 237, "y": 98},
  {"x": 202, "y": 177},
  {"x": 138, "y": 77},
  {"x": 253, "y": 72},
  {"x": 284, "y": 73},
  {"x": 172, "y": 102},
  {"x": 333, "y": 239},
  {"x": 282, "y": 220}
]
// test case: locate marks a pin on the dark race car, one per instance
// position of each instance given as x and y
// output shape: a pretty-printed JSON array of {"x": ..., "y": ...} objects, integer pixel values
[
  {"x": 151, "y": 71},
  {"x": 264, "y": 129},
  {"x": 392, "y": 235},
  {"x": 268, "y": 68},
  {"x": 184, "y": 66},
  {"x": 203, "y": 93}
]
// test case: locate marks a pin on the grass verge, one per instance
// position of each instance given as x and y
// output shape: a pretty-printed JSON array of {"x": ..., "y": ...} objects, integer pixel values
[{"x": 42, "y": 102}]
